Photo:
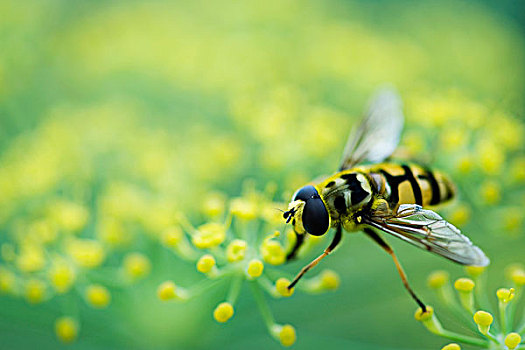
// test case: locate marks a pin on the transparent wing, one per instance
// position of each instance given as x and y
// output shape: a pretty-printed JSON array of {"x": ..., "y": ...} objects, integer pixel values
[
  {"x": 427, "y": 230},
  {"x": 378, "y": 134}
]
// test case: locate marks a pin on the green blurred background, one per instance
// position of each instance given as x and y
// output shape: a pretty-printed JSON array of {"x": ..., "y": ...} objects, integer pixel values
[{"x": 176, "y": 100}]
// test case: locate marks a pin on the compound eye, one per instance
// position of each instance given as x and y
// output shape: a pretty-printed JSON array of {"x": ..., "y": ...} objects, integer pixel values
[
  {"x": 305, "y": 193},
  {"x": 316, "y": 220}
]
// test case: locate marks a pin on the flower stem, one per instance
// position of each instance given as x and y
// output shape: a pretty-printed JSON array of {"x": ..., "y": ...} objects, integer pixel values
[
  {"x": 262, "y": 304},
  {"x": 464, "y": 338},
  {"x": 235, "y": 288}
]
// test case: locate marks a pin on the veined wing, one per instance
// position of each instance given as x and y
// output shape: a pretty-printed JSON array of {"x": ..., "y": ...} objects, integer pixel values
[
  {"x": 427, "y": 230},
  {"x": 378, "y": 135}
]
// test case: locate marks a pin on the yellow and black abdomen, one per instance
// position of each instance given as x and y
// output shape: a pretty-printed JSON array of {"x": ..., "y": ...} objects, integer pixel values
[{"x": 410, "y": 184}]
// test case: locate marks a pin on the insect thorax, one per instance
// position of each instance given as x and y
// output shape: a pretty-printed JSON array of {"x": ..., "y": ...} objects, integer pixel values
[{"x": 345, "y": 194}]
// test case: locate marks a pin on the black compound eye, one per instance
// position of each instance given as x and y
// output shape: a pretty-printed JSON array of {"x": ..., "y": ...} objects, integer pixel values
[
  {"x": 316, "y": 220},
  {"x": 305, "y": 193}
]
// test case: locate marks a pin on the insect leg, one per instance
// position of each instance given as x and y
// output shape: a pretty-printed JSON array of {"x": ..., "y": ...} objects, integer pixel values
[
  {"x": 298, "y": 243},
  {"x": 335, "y": 242},
  {"x": 372, "y": 234}
]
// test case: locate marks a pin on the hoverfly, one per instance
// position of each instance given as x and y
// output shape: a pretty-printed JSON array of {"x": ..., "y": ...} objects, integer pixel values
[{"x": 388, "y": 197}]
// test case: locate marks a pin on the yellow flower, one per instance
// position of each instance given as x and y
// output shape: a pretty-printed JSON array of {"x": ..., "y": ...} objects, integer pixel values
[
  {"x": 209, "y": 235},
  {"x": 505, "y": 295},
  {"x": 483, "y": 319},
  {"x": 86, "y": 252},
  {"x": 281, "y": 285},
  {"x": 136, "y": 265},
  {"x": 419, "y": 315},
  {"x": 452, "y": 346},
  {"x": 206, "y": 263},
  {"x": 465, "y": 164},
  {"x": 236, "y": 250},
  {"x": 437, "y": 279},
  {"x": 98, "y": 296},
  {"x": 7, "y": 281},
  {"x": 491, "y": 157},
  {"x": 329, "y": 280},
  {"x": 166, "y": 291},
  {"x": 172, "y": 236},
  {"x": 35, "y": 291},
  {"x": 62, "y": 275},
  {"x": 475, "y": 271},
  {"x": 66, "y": 329},
  {"x": 243, "y": 208},
  {"x": 287, "y": 335},
  {"x": 512, "y": 340},
  {"x": 490, "y": 192},
  {"x": 69, "y": 216},
  {"x": 214, "y": 204},
  {"x": 460, "y": 215},
  {"x": 31, "y": 258},
  {"x": 272, "y": 252},
  {"x": 112, "y": 231},
  {"x": 255, "y": 268},
  {"x": 464, "y": 284},
  {"x": 223, "y": 312},
  {"x": 428, "y": 319}
]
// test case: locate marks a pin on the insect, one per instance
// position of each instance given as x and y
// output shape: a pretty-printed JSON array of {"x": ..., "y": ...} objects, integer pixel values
[{"x": 385, "y": 197}]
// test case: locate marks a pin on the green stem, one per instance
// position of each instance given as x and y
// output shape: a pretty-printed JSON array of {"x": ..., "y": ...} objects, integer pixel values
[
  {"x": 266, "y": 313},
  {"x": 491, "y": 337},
  {"x": 513, "y": 305},
  {"x": 235, "y": 288},
  {"x": 502, "y": 316},
  {"x": 463, "y": 338}
]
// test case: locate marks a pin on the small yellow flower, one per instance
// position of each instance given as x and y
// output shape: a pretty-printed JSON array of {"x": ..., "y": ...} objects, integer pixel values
[
  {"x": 475, "y": 271},
  {"x": 272, "y": 252},
  {"x": 166, "y": 291},
  {"x": 223, "y": 312},
  {"x": 31, "y": 258},
  {"x": 437, "y": 279},
  {"x": 451, "y": 346},
  {"x": 491, "y": 157},
  {"x": 465, "y": 164},
  {"x": 98, "y": 296},
  {"x": 464, "y": 284},
  {"x": 206, "y": 263},
  {"x": 66, "y": 329},
  {"x": 112, "y": 232},
  {"x": 483, "y": 319},
  {"x": 86, "y": 252},
  {"x": 421, "y": 316},
  {"x": 513, "y": 219},
  {"x": 255, "y": 268},
  {"x": 214, "y": 204},
  {"x": 460, "y": 215},
  {"x": 62, "y": 275},
  {"x": 69, "y": 216},
  {"x": 490, "y": 192},
  {"x": 505, "y": 295},
  {"x": 428, "y": 319},
  {"x": 236, "y": 250},
  {"x": 287, "y": 335},
  {"x": 518, "y": 277},
  {"x": 281, "y": 285},
  {"x": 243, "y": 208},
  {"x": 172, "y": 236},
  {"x": 512, "y": 340},
  {"x": 7, "y": 281},
  {"x": 330, "y": 280},
  {"x": 136, "y": 265},
  {"x": 209, "y": 235},
  {"x": 35, "y": 291}
]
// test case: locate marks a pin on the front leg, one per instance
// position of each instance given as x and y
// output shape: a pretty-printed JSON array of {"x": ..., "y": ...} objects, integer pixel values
[
  {"x": 298, "y": 243},
  {"x": 331, "y": 247}
]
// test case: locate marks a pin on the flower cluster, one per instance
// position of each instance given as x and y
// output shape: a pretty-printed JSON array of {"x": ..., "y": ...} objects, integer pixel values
[
  {"x": 238, "y": 244},
  {"x": 472, "y": 307}
]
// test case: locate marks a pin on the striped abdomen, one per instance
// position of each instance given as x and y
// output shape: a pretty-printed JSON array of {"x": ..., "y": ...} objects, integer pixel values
[{"x": 410, "y": 184}]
